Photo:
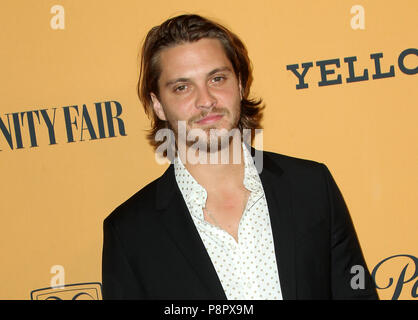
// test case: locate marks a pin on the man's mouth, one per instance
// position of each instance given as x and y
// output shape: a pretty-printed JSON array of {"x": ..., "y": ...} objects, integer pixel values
[{"x": 210, "y": 119}]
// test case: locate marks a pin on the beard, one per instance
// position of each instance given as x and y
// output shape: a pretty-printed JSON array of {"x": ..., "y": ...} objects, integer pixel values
[
  {"x": 207, "y": 141},
  {"x": 208, "y": 137}
]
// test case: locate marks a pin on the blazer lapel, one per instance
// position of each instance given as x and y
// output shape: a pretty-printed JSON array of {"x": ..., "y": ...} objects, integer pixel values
[
  {"x": 175, "y": 216},
  {"x": 278, "y": 195}
]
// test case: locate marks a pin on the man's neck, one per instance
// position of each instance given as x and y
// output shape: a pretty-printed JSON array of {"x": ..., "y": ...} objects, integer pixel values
[{"x": 212, "y": 176}]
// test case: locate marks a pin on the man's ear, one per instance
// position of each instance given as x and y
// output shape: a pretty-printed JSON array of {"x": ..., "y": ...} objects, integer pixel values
[{"x": 158, "y": 108}]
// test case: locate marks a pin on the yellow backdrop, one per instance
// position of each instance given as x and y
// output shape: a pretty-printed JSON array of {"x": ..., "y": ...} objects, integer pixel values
[{"x": 55, "y": 193}]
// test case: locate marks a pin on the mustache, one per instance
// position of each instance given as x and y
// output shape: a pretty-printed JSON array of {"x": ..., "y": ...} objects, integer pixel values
[{"x": 203, "y": 114}]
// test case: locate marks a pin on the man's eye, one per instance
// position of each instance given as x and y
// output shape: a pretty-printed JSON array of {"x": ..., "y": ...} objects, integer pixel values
[
  {"x": 218, "y": 79},
  {"x": 180, "y": 88}
]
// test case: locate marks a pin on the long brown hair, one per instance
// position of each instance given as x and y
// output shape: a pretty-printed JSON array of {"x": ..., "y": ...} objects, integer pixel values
[{"x": 191, "y": 28}]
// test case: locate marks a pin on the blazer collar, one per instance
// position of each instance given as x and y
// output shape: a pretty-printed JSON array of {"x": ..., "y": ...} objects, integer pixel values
[
  {"x": 179, "y": 224},
  {"x": 174, "y": 215}
]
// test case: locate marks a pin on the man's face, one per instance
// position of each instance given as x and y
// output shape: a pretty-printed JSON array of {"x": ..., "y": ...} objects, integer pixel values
[{"x": 198, "y": 85}]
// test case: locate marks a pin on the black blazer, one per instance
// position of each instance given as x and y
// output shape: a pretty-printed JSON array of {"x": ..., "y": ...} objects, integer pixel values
[{"x": 152, "y": 249}]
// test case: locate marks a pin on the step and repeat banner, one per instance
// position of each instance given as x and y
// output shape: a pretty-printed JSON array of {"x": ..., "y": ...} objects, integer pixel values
[{"x": 339, "y": 80}]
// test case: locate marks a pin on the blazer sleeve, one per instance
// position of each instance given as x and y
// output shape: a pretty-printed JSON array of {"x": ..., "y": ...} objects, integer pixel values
[
  {"x": 118, "y": 278},
  {"x": 345, "y": 250}
]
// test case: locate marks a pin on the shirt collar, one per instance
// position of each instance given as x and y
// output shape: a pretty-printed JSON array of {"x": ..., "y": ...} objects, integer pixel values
[
  {"x": 195, "y": 194},
  {"x": 192, "y": 191}
]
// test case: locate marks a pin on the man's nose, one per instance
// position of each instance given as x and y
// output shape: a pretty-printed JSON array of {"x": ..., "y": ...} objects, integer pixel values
[{"x": 205, "y": 99}]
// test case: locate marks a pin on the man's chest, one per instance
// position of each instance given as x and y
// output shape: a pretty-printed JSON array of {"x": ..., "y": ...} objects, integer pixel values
[{"x": 225, "y": 211}]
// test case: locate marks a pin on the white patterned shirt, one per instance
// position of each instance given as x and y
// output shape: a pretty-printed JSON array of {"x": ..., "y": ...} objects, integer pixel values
[{"x": 247, "y": 269}]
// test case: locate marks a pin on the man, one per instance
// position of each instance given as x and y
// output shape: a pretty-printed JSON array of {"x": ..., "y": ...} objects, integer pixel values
[{"x": 271, "y": 229}]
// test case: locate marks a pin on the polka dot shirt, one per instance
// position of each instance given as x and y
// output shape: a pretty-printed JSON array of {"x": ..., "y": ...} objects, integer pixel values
[{"x": 247, "y": 269}]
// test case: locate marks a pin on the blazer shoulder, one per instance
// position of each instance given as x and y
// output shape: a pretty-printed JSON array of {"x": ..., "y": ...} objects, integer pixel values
[
  {"x": 290, "y": 163},
  {"x": 302, "y": 173},
  {"x": 140, "y": 203}
]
